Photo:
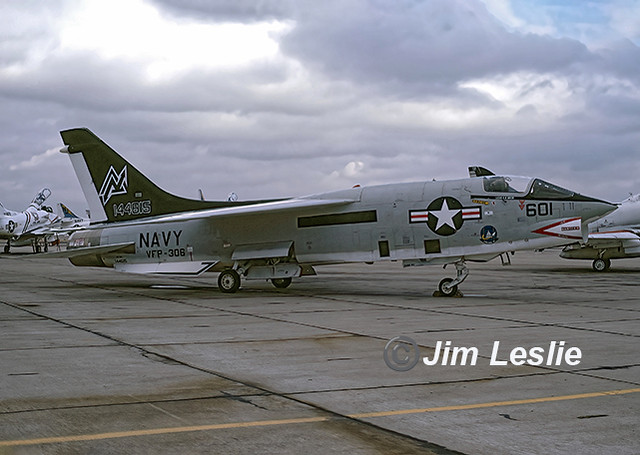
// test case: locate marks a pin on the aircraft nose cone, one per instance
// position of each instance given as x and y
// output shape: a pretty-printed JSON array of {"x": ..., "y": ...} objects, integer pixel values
[{"x": 596, "y": 208}]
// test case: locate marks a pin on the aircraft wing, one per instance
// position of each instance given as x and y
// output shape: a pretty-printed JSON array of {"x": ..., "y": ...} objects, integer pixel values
[
  {"x": 610, "y": 239},
  {"x": 43, "y": 230},
  {"x": 63, "y": 230},
  {"x": 254, "y": 209}
]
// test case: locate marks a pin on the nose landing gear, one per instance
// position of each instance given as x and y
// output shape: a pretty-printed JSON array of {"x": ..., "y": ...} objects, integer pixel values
[{"x": 448, "y": 287}]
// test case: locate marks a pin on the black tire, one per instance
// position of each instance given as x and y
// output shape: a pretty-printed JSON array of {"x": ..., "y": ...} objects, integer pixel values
[
  {"x": 229, "y": 281},
  {"x": 448, "y": 291},
  {"x": 601, "y": 265},
  {"x": 7, "y": 249},
  {"x": 281, "y": 283}
]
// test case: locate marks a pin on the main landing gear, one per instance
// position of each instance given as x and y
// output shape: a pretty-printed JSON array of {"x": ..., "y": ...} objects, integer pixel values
[
  {"x": 448, "y": 287},
  {"x": 601, "y": 265},
  {"x": 229, "y": 281},
  {"x": 281, "y": 283}
]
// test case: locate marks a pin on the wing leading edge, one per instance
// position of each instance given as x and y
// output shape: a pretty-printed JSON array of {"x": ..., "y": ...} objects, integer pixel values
[{"x": 254, "y": 209}]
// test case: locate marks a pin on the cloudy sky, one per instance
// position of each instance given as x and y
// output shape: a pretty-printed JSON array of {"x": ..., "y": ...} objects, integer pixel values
[{"x": 272, "y": 98}]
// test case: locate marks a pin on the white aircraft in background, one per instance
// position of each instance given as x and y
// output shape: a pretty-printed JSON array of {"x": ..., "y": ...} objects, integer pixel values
[
  {"x": 29, "y": 226},
  {"x": 67, "y": 223},
  {"x": 69, "y": 220},
  {"x": 615, "y": 236}
]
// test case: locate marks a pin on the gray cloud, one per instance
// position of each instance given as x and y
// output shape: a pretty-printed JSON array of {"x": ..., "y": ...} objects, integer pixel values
[
  {"x": 230, "y": 10},
  {"x": 424, "y": 44},
  {"x": 401, "y": 90}
]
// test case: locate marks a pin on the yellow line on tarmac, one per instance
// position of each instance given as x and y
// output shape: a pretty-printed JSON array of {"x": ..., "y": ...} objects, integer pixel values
[
  {"x": 493, "y": 404},
  {"x": 157, "y": 431},
  {"x": 266, "y": 423}
]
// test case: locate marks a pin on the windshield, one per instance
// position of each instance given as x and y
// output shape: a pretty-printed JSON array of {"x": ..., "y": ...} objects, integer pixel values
[
  {"x": 506, "y": 184},
  {"x": 544, "y": 190}
]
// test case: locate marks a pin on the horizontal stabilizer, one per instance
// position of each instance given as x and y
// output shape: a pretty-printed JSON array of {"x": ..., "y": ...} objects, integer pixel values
[
  {"x": 185, "y": 268},
  {"x": 618, "y": 235}
]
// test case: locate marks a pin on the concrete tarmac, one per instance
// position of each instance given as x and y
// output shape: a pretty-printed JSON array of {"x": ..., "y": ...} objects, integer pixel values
[{"x": 97, "y": 362}]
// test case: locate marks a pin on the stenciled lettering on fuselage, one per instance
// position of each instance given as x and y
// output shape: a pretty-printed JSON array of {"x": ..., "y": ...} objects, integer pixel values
[
  {"x": 536, "y": 209},
  {"x": 132, "y": 208},
  {"x": 161, "y": 244},
  {"x": 445, "y": 215},
  {"x": 117, "y": 183}
]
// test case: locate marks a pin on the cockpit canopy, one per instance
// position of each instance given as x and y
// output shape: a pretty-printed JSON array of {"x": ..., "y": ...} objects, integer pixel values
[
  {"x": 545, "y": 190},
  {"x": 505, "y": 184},
  {"x": 526, "y": 186}
]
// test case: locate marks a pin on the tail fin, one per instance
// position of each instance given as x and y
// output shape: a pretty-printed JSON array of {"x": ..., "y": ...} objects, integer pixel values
[
  {"x": 66, "y": 212},
  {"x": 117, "y": 191}
]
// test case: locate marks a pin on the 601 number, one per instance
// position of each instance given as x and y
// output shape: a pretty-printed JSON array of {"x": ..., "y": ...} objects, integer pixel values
[{"x": 539, "y": 209}]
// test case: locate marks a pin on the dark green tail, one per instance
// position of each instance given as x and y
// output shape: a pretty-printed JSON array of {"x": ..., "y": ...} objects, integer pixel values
[{"x": 117, "y": 191}]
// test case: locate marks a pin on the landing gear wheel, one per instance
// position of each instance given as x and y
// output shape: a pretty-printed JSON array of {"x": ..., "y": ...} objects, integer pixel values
[
  {"x": 281, "y": 283},
  {"x": 229, "y": 281},
  {"x": 7, "y": 249},
  {"x": 445, "y": 289},
  {"x": 601, "y": 265}
]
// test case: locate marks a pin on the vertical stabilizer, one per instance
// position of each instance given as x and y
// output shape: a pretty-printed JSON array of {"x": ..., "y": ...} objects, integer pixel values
[
  {"x": 66, "y": 212},
  {"x": 117, "y": 191}
]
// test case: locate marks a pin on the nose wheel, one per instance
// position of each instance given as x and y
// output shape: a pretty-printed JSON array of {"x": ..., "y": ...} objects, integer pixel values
[{"x": 448, "y": 287}]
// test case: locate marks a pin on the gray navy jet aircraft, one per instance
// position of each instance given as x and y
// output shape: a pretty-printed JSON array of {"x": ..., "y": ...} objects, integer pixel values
[{"x": 138, "y": 227}]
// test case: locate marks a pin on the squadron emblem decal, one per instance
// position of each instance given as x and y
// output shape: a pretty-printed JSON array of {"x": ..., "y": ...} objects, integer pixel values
[
  {"x": 114, "y": 183},
  {"x": 488, "y": 234},
  {"x": 445, "y": 215}
]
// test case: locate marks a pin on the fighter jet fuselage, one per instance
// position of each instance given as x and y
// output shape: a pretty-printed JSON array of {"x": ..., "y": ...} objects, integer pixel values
[
  {"x": 141, "y": 228},
  {"x": 425, "y": 221}
]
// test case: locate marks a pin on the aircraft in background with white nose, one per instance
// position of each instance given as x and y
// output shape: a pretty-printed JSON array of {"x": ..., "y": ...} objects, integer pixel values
[
  {"x": 138, "y": 227},
  {"x": 616, "y": 236},
  {"x": 28, "y": 226}
]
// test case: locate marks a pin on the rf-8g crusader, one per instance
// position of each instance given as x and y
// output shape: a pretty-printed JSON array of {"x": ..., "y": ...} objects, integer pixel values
[{"x": 137, "y": 227}]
